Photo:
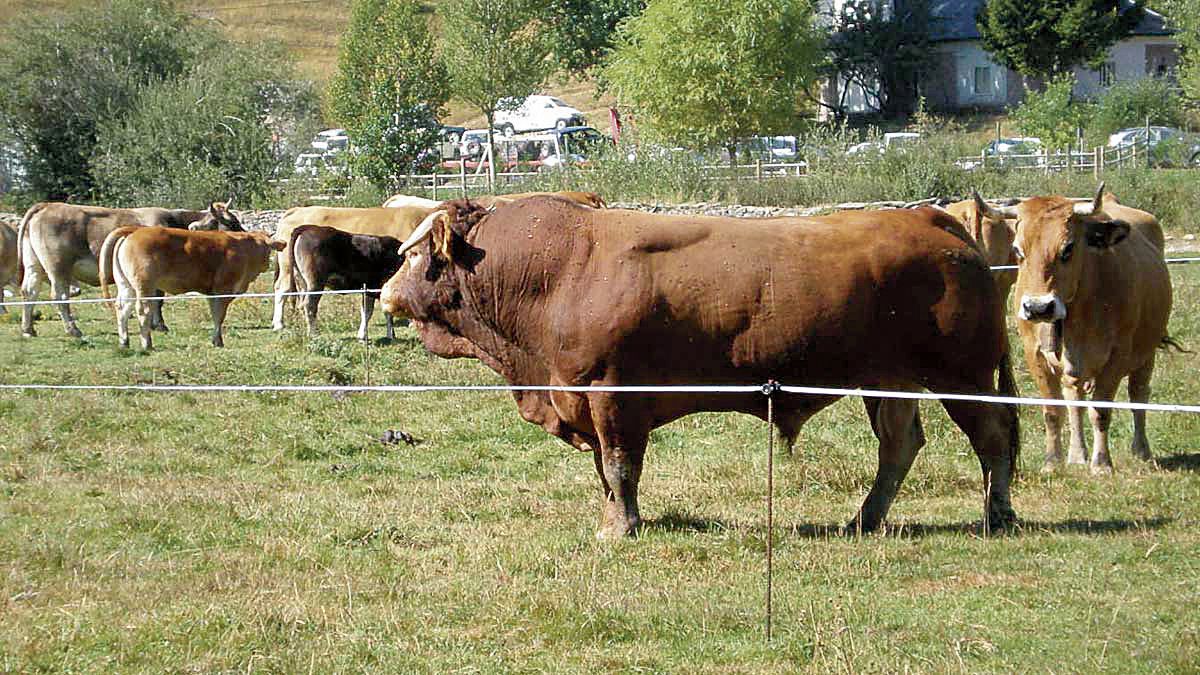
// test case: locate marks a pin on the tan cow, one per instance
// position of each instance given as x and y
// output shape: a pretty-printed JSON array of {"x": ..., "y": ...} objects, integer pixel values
[
  {"x": 59, "y": 242},
  {"x": 143, "y": 259},
  {"x": 398, "y": 222},
  {"x": 591, "y": 199},
  {"x": 1093, "y": 298},
  {"x": 994, "y": 234},
  {"x": 10, "y": 269},
  {"x": 408, "y": 200}
]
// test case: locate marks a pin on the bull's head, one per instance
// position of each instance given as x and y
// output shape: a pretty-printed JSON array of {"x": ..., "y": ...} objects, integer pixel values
[
  {"x": 993, "y": 230},
  {"x": 425, "y": 286},
  {"x": 220, "y": 216},
  {"x": 1058, "y": 240}
]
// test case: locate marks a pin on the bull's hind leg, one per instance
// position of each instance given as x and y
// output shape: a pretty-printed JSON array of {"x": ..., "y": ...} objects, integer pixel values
[
  {"x": 897, "y": 425},
  {"x": 283, "y": 285},
  {"x": 29, "y": 292},
  {"x": 1139, "y": 392},
  {"x": 144, "y": 321},
  {"x": 618, "y": 462},
  {"x": 218, "y": 307},
  {"x": 994, "y": 433},
  {"x": 60, "y": 289},
  {"x": 391, "y": 326},
  {"x": 311, "y": 302}
]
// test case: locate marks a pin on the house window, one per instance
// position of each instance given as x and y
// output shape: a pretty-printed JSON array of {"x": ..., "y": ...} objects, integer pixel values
[
  {"x": 983, "y": 81},
  {"x": 1108, "y": 73}
]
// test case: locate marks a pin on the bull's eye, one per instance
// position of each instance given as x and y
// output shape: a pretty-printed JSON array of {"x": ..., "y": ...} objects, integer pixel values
[
  {"x": 1067, "y": 251},
  {"x": 1019, "y": 252}
]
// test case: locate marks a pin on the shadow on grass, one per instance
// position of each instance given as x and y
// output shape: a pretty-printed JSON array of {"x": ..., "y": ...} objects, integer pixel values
[
  {"x": 678, "y": 522},
  {"x": 1180, "y": 462}
]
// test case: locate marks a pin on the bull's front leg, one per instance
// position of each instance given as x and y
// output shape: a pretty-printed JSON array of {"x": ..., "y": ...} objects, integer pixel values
[
  {"x": 1077, "y": 452},
  {"x": 897, "y": 425},
  {"x": 1101, "y": 418},
  {"x": 619, "y": 463},
  {"x": 218, "y": 307},
  {"x": 391, "y": 326},
  {"x": 366, "y": 310}
]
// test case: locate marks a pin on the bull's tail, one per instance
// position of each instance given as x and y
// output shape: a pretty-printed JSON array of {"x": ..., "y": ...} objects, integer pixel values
[
  {"x": 297, "y": 282},
  {"x": 22, "y": 231},
  {"x": 107, "y": 253},
  {"x": 1008, "y": 388},
  {"x": 1168, "y": 343}
]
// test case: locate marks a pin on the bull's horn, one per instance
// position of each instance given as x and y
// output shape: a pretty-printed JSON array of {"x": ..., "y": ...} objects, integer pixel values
[
  {"x": 1088, "y": 208},
  {"x": 421, "y": 232},
  {"x": 993, "y": 212},
  {"x": 229, "y": 204}
]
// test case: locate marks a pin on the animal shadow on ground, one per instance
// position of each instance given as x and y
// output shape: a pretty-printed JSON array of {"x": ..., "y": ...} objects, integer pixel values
[
  {"x": 1184, "y": 461},
  {"x": 679, "y": 522}
]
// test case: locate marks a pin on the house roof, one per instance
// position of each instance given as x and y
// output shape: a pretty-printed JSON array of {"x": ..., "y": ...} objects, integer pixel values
[{"x": 956, "y": 20}]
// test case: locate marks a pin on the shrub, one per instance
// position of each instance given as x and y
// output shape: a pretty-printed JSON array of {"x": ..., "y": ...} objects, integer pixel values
[
  {"x": 66, "y": 74},
  {"x": 1130, "y": 103},
  {"x": 192, "y": 139}
]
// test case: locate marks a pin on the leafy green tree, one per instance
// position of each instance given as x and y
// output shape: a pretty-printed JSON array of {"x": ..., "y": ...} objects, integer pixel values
[
  {"x": 707, "y": 74},
  {"x": 1050, "y": 114},
  {"x": 194, "y": 138},
  {"x": 1184, "y": 15},
  {"x": 881, "y": 51},
  {"x": 1050, "y": 37},
  {"x": 389, "y": 89},
  {"x": 497, "y": 52},
  {"x": 66, "y": 73},
  {"x": 583, "y": 30}
]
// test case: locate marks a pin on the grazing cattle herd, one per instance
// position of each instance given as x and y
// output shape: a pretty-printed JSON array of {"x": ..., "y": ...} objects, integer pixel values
[{"x": 557, "y": 289}]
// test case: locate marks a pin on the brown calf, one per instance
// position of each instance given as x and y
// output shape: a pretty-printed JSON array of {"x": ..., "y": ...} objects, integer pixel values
[{"x": 142, "y": 259}]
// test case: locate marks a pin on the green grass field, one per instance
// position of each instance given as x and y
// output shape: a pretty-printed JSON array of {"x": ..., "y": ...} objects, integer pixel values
[{"x": 144, "y": 532}]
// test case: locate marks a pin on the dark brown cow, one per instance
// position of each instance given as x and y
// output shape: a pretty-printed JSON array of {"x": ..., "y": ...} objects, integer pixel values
[
  {"x": 60, "y": 243},
  {"x": 325, "y": 256},
  {"x": 1093, "y": 298},
  {"x": 547, "y": 292}
]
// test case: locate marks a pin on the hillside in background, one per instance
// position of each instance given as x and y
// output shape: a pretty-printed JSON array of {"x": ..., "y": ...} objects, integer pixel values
[{"x": 311, "y": 30}]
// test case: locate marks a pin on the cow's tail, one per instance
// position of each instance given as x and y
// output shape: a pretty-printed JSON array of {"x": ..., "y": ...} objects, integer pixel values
[
  {"x": 297, "y": 282},
  {"x": 1168, "y": 343},
  {"x": 22, "y": 234},
  {"x": 107, "y": 253}
]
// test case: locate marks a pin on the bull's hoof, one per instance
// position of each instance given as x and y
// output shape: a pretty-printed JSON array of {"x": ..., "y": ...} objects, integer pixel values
[
  {"x": 1001, "y": 519},
  {"x": 858, "y": 526},
  {"x": 123, "y": 344},
  {"x": 29, "y": 333},
  {"x": 617, "y": 530},
  {"x": 1051, "y": 466},
  {"x": 74, "y": 332},
  {"x": 1101, "y": 469},
  {"x": 160, "y": 328}
]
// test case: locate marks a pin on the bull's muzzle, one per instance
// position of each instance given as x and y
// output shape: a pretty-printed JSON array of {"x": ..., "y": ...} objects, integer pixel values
[{"x": 1042, "y": 308}]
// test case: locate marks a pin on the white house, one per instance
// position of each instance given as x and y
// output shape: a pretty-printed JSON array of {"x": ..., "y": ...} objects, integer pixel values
[{"x": 964, "y": 76}]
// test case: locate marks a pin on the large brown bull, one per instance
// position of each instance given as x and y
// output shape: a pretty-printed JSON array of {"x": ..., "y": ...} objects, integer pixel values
[
  {"x": 1093, "y": 298},
  {"x": 547, "y": 292},
  {"x": 60, "y": 243}
]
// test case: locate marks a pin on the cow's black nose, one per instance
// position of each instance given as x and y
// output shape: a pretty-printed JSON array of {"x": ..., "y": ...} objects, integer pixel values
[{"x": 1038, "y": 309}]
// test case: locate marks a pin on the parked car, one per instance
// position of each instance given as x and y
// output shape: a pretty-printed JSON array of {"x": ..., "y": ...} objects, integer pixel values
[
  {"x": 569, "y": 145},
  {"x": 890, "y": 141},
  {"x": 535, "y": 113},
  {"x": 331, "y": 140},
  {"x": 451, "y": 134},
  {"x": 313, "y": 164},
  {"x": 471, "y": 142},
  {"x": 1168, "y": 146}
]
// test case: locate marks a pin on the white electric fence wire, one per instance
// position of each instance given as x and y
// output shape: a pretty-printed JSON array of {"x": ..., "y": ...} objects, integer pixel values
[
  {"x": 353, "y": 291},
  {"x": 630, "y": 389}
]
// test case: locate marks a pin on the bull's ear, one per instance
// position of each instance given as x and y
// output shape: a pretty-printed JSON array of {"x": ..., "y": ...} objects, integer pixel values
[
  {"x": 1106, "y": 233},
  {"x": 277, "y": 245}
]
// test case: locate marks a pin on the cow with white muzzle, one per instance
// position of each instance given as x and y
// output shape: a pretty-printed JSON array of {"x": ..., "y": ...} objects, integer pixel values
[{"x": 1093, "y": 298}]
